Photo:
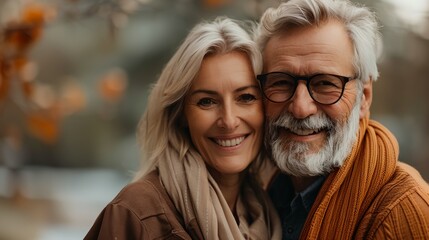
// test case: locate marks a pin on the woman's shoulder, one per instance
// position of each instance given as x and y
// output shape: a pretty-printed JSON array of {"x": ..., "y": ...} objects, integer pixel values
[
  {"x": 145, "y": 197},
  {"x": 142, "y": 209}
]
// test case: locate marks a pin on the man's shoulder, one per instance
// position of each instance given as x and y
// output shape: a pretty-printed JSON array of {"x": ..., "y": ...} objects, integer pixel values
[
  {"x": 406, "y": 186},
  {"x": 400, "y": 208},
  {"x": 411, "y": 176}
]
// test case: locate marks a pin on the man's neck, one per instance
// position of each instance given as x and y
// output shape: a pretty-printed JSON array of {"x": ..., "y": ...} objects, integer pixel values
[{"x": 301, "y": 183}]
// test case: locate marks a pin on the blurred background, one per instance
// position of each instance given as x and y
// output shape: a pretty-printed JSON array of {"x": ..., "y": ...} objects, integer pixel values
[{"x": 74, "y": 78}]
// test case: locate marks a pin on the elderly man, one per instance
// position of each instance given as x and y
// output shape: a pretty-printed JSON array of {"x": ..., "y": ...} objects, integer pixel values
[{"x": 340, "y": 175}]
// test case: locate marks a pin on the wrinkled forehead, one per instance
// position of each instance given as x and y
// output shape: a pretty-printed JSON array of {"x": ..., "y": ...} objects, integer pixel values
[{"x": 311, "y": 49}]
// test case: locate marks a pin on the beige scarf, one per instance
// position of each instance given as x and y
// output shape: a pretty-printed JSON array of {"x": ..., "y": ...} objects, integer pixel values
[
  {"x": 349, "y": 190},
  {"x": 197, "y": 197}
]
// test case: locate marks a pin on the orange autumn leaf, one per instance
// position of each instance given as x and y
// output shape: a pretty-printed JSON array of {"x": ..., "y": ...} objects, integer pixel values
[
  {"x": 112, "y": 85},
  {"x": 21, "y": 36},
  {"x": 28, "y": 29},
  {"x": 19, "y": 62},
  {"x": 72, "y": 98},
  {"x": 27, "y": 72},
  {"x": 27, "y": 89},
  {"x": 215, "y": 3},
  {"x": 4, "y": 87},
  {"x": 4, "y": 81},
  {"x": 34, "y": 13},
  {"x": 43, "y": 126},
  {"x": 45, "y": 97}
]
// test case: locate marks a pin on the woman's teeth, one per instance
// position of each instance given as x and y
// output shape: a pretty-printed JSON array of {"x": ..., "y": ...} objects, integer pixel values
[{"x": 229, "y": 142}]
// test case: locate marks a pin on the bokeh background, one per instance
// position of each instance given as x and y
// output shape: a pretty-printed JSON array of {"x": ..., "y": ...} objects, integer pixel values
[{"x": 75, "y": 74}]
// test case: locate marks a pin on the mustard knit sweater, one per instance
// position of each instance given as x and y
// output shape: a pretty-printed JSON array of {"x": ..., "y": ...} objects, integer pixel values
[{"x": 372, "y": 196}]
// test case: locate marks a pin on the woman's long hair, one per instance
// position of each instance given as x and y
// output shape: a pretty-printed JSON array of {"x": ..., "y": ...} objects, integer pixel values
[{"x": 161, "y": 129}]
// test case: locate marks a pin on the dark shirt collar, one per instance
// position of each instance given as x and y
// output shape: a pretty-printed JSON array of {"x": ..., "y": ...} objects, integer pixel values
[
  {"x": 308, "y": 196},
  {"x": 293, "y": 208},
  {"x": 282, "y": 191}
]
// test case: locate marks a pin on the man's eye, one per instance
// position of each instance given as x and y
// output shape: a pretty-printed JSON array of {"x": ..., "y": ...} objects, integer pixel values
[
  {"x": 205, "y": 102},
  {"x": 325, "y": 83},
  {"x": 282, "y": 84},
  {"x": 246, "y": 98}
]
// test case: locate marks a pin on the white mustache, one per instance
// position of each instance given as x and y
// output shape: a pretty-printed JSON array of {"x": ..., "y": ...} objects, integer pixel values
[
  {"x": 312, "y": 123},
  {"x": 295, "y": 159}
]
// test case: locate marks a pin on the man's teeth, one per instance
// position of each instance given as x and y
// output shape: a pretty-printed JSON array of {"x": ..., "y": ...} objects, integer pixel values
[{"x": 229, "y": 142}]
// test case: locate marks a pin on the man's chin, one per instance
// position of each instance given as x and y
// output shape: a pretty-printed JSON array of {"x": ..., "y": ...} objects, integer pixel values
[
  {"x": 303, "y": 150},
  {"x": 303, "y": 162}
]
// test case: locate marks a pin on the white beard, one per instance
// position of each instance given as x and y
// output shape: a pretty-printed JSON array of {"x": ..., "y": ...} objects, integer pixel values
[{"x": 294, "y": 158}]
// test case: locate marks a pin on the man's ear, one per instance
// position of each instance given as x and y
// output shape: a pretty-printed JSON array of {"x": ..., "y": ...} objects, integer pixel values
[{"x": 366, "y": 99}]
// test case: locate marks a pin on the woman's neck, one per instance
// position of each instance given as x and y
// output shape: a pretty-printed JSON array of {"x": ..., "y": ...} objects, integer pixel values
[{"x": 230, "y": 185}]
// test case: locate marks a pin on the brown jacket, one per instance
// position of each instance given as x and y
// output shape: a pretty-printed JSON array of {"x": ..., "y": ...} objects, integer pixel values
[{"x": 142, "y": 210}]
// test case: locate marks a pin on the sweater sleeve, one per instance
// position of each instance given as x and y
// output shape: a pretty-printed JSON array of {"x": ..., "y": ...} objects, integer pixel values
[
  {"x": 116, "y": 222},
  {"x": 408, "y": 219}
]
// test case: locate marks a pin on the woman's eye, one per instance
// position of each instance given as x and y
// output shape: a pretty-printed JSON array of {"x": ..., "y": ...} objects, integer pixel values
[
  {"x": 247, "y": 98},
  {"x": 205, "y": 102}
]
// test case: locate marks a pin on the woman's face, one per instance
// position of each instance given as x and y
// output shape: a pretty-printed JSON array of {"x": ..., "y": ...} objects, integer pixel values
[{"x": 224, "y": 112}]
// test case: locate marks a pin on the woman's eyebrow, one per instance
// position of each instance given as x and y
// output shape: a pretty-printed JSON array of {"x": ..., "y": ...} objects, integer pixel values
[
  {"x": 210, "y": 92},
  {"x": 240, "y": 89}
]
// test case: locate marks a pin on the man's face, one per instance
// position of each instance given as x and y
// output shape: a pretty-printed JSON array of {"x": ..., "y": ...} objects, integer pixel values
[{"x": 305, "y": 137}]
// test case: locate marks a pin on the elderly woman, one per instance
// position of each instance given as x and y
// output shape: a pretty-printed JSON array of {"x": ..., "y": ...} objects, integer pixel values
[{"x": 201, "y": 133}]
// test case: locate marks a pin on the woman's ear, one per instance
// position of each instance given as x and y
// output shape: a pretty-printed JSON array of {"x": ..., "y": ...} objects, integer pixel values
[{"x": 366, "y": 99}]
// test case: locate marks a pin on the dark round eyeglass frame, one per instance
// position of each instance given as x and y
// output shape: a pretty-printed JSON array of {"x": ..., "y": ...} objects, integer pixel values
[{"x": 263, "y": 78}]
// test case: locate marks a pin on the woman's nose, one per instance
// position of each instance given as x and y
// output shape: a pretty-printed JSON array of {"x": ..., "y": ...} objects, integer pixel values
[{"x": 228, "y": 118}]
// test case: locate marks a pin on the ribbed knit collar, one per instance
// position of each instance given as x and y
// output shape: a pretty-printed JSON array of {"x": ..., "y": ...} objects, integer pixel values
[{"x": 349, "y": 190}]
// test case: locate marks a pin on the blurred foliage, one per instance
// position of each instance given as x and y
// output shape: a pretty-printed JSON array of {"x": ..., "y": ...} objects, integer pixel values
[
  {"x": 74, "y": 74},
  {"x": 17, "y": 72}
]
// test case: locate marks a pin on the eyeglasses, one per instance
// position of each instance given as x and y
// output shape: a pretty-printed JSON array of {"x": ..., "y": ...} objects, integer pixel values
[{"x": 325, "y": 89}]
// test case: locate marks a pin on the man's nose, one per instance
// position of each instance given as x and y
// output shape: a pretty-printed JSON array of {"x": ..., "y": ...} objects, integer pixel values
[{"x": 301, "y": 105}]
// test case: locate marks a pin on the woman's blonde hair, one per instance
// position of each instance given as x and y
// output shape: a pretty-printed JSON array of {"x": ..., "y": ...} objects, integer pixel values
[{"x": 161, "y": 129}]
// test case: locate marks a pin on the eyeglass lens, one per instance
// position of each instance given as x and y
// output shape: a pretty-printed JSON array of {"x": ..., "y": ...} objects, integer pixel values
[{"x": 324, "y": 88}]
